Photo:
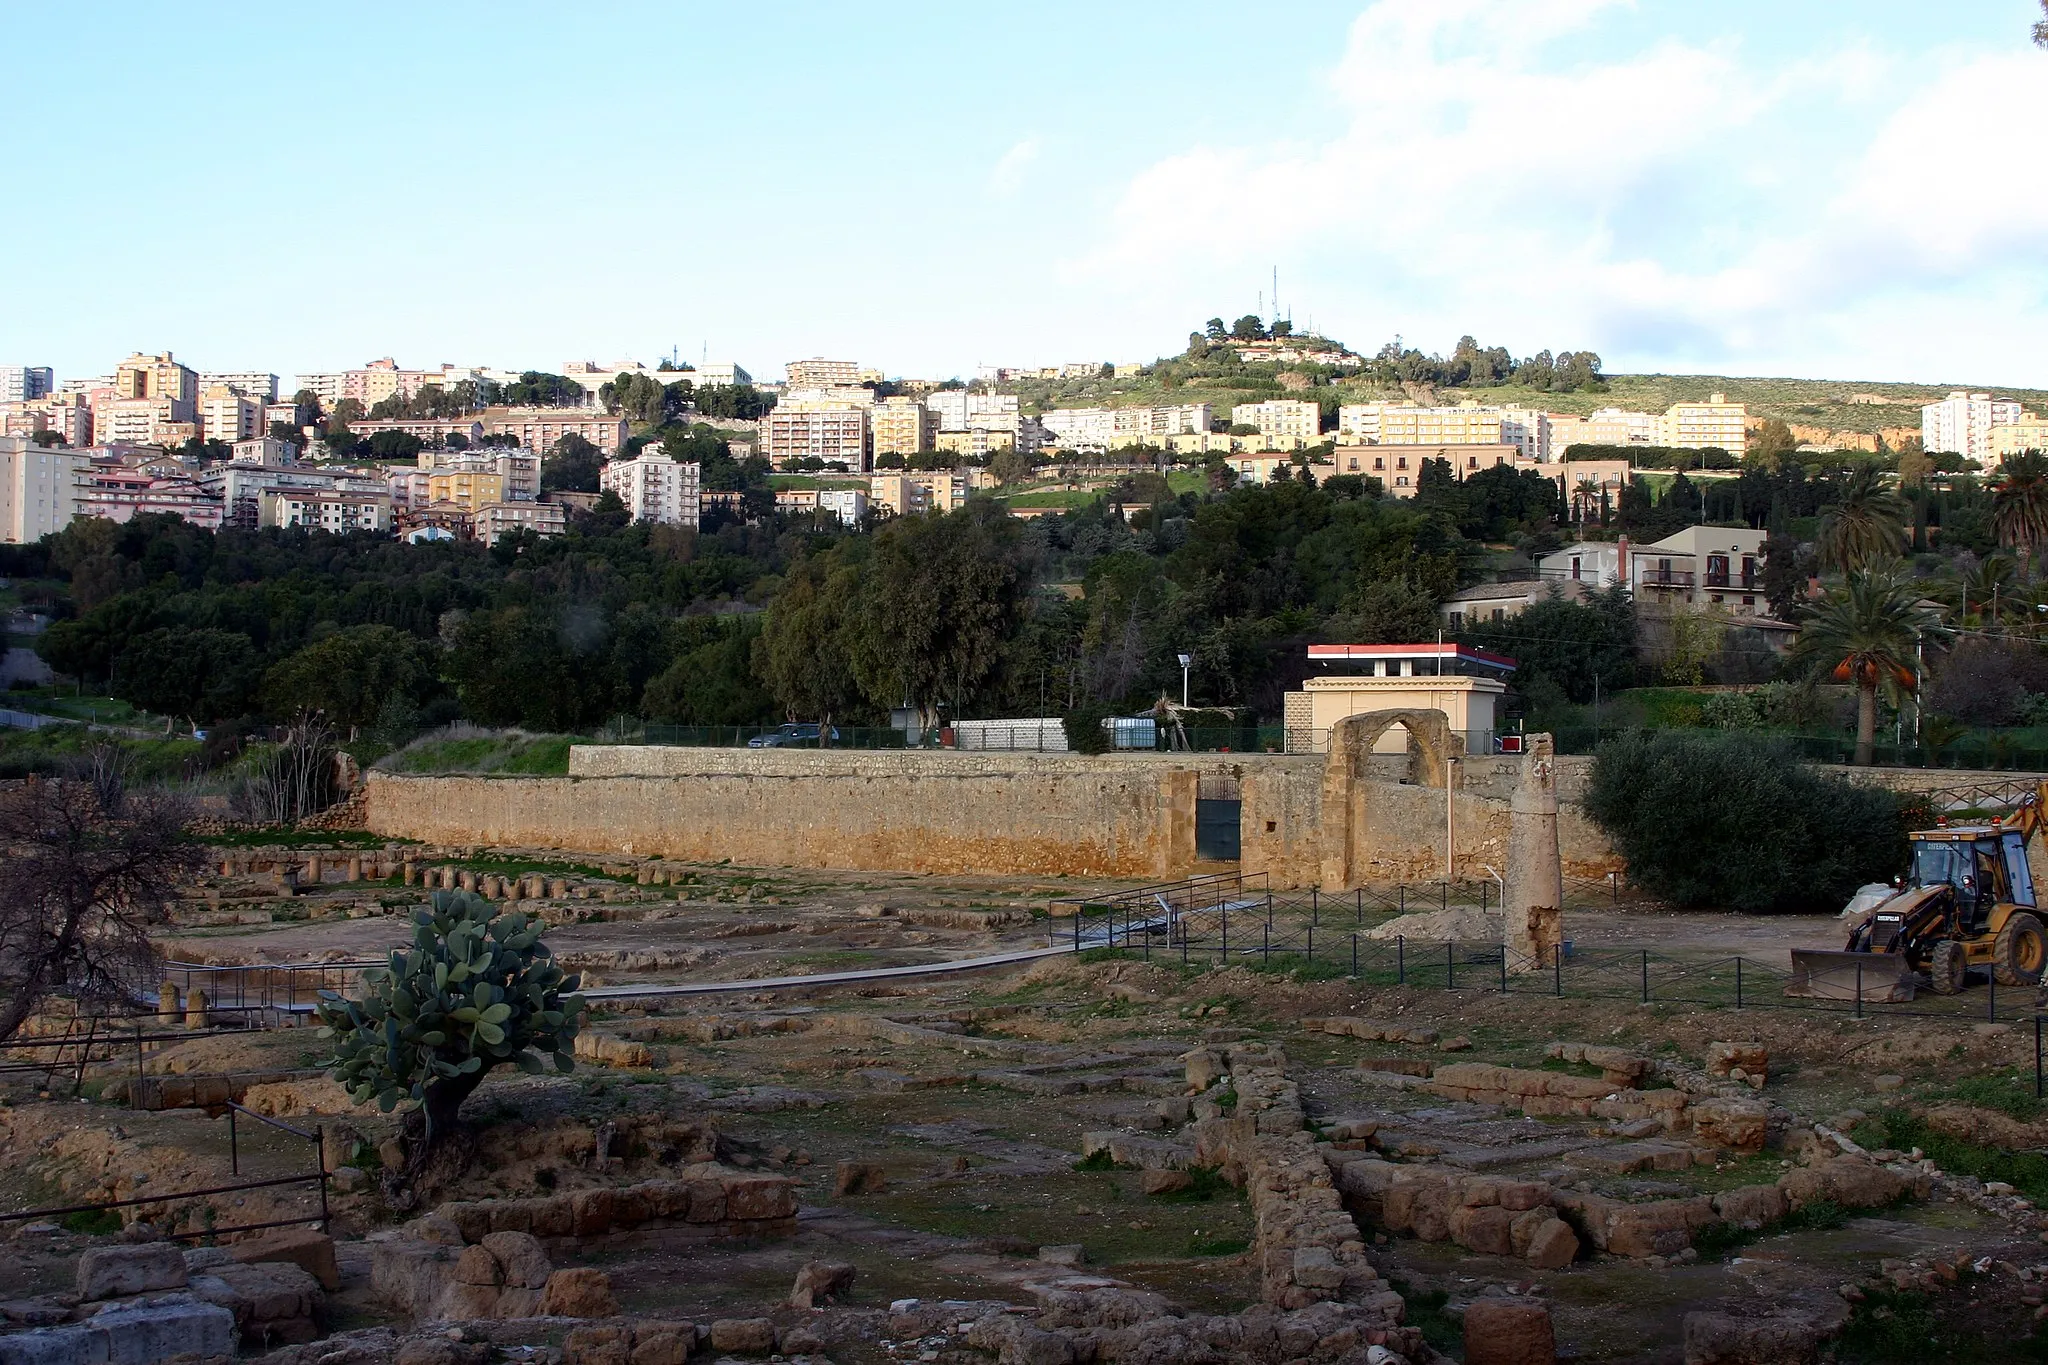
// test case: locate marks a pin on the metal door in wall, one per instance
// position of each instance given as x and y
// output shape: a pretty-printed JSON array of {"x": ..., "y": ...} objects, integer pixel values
[{"x": 1218, "y": 808}]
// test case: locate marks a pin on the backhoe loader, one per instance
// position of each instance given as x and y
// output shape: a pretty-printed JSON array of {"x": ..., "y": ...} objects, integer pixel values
[{"x": 1966, "y": 903}]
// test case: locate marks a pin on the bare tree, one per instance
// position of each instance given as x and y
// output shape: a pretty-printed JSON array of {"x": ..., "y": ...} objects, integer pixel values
[
  {"x": 84, "y": 878},
  {"x": 295, "y": 778}
]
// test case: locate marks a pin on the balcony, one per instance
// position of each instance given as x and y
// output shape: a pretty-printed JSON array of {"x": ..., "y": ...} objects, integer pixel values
[
  {"x": 1666, "y": 578},
  {"x": 1744, "y": 582}
]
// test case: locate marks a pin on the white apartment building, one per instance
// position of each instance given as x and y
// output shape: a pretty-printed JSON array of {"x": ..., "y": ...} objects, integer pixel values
[
  {"x": 835, "y": 435},
  {"x": 820, "y": 373},
  {"x": 337, "y": 512},
  {"x": 850, "y": 505},
  {"x": 39, "y": 489},
  {"x": 1109, "y": 428},
  {"x": 655, "y": 487},
  {"x": 957, "y": 408},
  {"x": 138, "y": 421},
  {"x": 1281, "y": 419},
  {"x": 1716, "y": 424},
  {"x": 493, "y": 521},
  {"x": 1962, "y": 423},
  {"x": 716, "y": 373},
  {"x": 1604, "y": 427},
  {"x": 248, "y": 383},
  {"x": 226, "y": 415},
  {"x": 21, "y": 383}
]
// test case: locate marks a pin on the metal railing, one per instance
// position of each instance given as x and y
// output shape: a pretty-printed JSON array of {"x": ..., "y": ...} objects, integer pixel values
[{"x": 290, "y": 988}]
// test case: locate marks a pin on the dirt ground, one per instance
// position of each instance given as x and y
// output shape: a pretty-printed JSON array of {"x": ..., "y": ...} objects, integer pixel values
[{"x": 975, "y": 1116}]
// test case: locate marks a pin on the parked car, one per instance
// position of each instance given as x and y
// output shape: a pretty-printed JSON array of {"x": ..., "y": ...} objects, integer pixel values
[{"x": 794, "y": 736}]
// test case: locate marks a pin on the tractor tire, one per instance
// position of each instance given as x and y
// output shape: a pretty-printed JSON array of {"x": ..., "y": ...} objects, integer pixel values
[
  {"x": 1947, "y": 968},
  {"x": 2020, "y": 952}
]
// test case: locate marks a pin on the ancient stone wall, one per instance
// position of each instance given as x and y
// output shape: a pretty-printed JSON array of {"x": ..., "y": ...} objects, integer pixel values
[{"x": 1114, "y": 815}]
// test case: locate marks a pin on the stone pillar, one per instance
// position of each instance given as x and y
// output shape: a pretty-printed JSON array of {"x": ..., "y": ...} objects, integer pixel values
[
  {"x": 195, "y": 1008},
  {"x": 558, "y": 889},
  {"x": 355, "y": 869},
  {"x": 410, "y": 870},
  {"x": 168, "y": 1006},
  {"x": 465, "y": 880},
  {"x": 1535, "y": 880}
]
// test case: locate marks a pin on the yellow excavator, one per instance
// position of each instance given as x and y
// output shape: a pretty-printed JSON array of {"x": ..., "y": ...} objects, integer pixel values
[{"x": 1966, "y": 903}]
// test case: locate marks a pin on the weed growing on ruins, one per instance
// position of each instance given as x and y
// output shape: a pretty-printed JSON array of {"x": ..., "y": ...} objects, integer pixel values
[
  {"x": 1895, "y": 1327},
  {"x": 1097, "y": 1161},
  {"x": 1716, "y": 1241},
  {"x": 2011, "y": 1095},
  {"x": 1902, "y": 1130},
  {"x": 93, "y": 1222},
  {"x": 1297, "y": 967},
  {"x": 1426, "y": 1313},
  {"x": 1204, "y": 1185}
]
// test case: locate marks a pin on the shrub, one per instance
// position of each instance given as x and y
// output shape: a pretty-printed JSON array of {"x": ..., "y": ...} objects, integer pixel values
[
  {"x": 1085, "y": 732},
  {"x": 1737, "y": 820}
]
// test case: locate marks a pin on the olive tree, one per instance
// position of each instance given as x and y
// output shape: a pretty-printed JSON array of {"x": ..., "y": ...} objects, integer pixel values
[{"x": 477, "y": 990}]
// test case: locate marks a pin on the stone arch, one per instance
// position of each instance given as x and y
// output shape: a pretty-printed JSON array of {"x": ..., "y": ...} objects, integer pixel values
[{"x": 1346, "y": 771}]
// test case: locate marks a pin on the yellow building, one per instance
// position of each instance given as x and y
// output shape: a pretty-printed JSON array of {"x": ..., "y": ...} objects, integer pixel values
[
  {"x": 158, "y": 376},
  {"x": 978, "y": 441},
  {"x": 1715, "y": 424},
  {"x": 2010, "y": 438},
  {"x": 466, "y": 489},
  {"x": 903, "y": 426},
  {"x": 1281, "y": 419}
]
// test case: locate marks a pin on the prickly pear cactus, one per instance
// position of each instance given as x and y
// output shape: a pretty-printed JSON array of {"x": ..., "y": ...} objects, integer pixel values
[{"x": 478, "y": 989}]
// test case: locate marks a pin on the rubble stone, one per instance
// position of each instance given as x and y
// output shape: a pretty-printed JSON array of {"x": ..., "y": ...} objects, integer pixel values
[
  {"x": 113, "y": 1272},
  {"x": 1509, "y": 1332}
]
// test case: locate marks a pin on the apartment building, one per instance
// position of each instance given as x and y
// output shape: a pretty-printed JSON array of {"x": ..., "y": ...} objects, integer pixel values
[
  {"x": 540, "y": 428},
  {"x": 243, "y": 483},
  {"x": 265, "y": 452},
  {"x": 819, "y": 373},
  {"x": 496, "y": 520},
  {"x": 978, "y": 442},
  {"x": 226, "y": 415},
  {"x": 22, "y": 383},
  {"x": 433, "y": 431},
  {"x": 39, "y": 489},
  {"x": 1716, "y": 424},
  {"x": 466, "y": 489},
  {"x": 2026, "y": 432},
  {"x": 1962, "y": 423},
  {"x": 113, "y": 490},
  {"x": 716, "y": 373},
  {"x": 158, "y": 377},
  {"x": 1398, "y": 467},
  {"x": 1282, "y": 420},
  {"x": 836, "y": 435},
  {"x": 957, "y": 408},
  {"x": 520, "y": 469},
  {"x": 339, "y": 513},
  {"x": 1111, "y": 428},
  {"x": 906, "y": 495},
  {"x": 248, "y": 383},
  {"x": 655, "y": 487},
  {"x": 1604, "y": 427},
  {"x": 903, "y": 426},
  {"x": 1701, "y": 566},
  {"x": 850, "y": 505},
  {"x": 141, "y": 421},
  {"x": 67, "y": 414}
]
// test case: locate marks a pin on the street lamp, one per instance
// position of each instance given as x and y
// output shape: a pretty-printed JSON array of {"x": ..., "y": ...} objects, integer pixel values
[{"x": 1186, "y": 662}]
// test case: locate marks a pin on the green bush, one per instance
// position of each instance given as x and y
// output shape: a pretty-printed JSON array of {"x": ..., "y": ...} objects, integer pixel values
[
  {"x": 1085, "y": 732},
  {"x": 1737, "y": 820}
]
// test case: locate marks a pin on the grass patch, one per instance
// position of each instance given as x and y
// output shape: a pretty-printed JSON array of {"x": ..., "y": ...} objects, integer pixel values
[
  {"x": 467, "y": 749},
  {"x": 1902, "y": 1131},
  {"x": 1296, "y": 966},
  {"x": 285, "y": 837},
  {"x": 1716, "y": 1241},
  {"x": 2012, "y": 1096},
  {"x": 1218, "y": 1246},
  {"x": 1895, "y": 1327},
  {"x": 1427, "y": 1315},
  {"x": 92, "y": 1222},
  {"x": 1097, "y": 1161}
]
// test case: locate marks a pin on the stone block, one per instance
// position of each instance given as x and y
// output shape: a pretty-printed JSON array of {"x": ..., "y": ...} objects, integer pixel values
[
  {"x": 1852, "y": 1182},
  {"x": 1729, "y": 1339},
  {"x": 149, "y": 1333},
  {"x": 579, "y": 1292},
  {"x": 309, "y": 1250},
  {"x": 1552, "y": 1245},
  {"x": 762, "y": 1197},
  {"x": 1316, "y": 1268},
  {"x": 522, "y": 1260},
  {"x": 857, "y": 1177},
  {"x": 663, "y": 1343},
  {"x": 1519, "y": 1195},
  {"x": 707, "y": 1201},
  {"x": 274, "y": 1302},
  {"x": 476, "y": 1265},
  {"x": 751, "y": 1336},
  {"x": 1753, "y": 1059},
  {"x": 1485, "y": 1229},
  {"x": 1738, "y": 1125},
  {"x": 553, "y": 1217},
  {"x": 1508, "y": 1332},
  {"x": 821, "y": 1282},
  {"x": 1164, "y": 1181},
  {"x": 591, "y": 1212},
  {"x": 115, "y": 1272},
  {"x": 1751, "y": 1206}
]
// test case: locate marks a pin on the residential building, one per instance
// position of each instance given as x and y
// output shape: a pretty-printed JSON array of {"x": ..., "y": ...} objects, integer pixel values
[
  {"x": 1282, "y": 420},
  {"x": 906, "y": 495},
  {"x": 242, "y": 483},
  {"x": 540, "y": 428},
  {"x": 519, "y": 468},
  {"x": 326, "y": 387},
  {"x": 1584, "y": 482},
  {"x": 1962, "y": 423},
  {"x": 1256, "y": 468},
  {"x": 717, "y": 373},
  {"x": 1489, "y": 602},
  {"x": 67, "y": 414},
  {"x": 21, "y": 383},
  {"x": 114, "y": 491},
  {"x": 1398, "y": 467},
  {"x": 1604, "y": 427},
  {"x": 796, "y": 499},
  {"x": 39, "y": 489},
  {"x": 903, "y": 426},
  {"x": 836, "y": 435},
  {"x": 336, "y": 512},
  {"x": 248, "y": 383},
  {"x": 655, "y": 487},
  {"x": 977, "y": 442},
  {"x": 226, "y": 415},
  {"x": 433, "y": 431},
  {"x": 1348, "y": 680},
  {"x": 141, "y": 421},
  {"x": 1101, "y": 429},
  {"x": 265, "y": 452},
  {"x": 850, "y": 505},
  {"x": 495, "y": 520},
  {"x": 466, "y": 489},
  {"x": 1716, "y": 424},
  {"x": 1701, "y": 566},
  {"x": 956, "y": 409},
  {"x": 2027, "y": 432},
  {"x": 158, "y": 377},
  {"x": 822, "y": 397},
  {"x": 819, "y": 373},
  {"x": 1407, "y": 424},
  {"x": 1600, "y": 563}
]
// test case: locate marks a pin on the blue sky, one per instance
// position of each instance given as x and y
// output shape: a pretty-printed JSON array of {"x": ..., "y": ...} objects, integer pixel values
[{"x": 1818, "y": 188}]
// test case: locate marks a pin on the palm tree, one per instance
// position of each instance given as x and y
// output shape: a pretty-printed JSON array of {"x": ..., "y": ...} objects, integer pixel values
[
  {"x": 1864, "y": 632},
  {"x": 1585, "y": 494},
  {"x": 1864, "y": 524},
  {"x": 2019, "y": 502}
]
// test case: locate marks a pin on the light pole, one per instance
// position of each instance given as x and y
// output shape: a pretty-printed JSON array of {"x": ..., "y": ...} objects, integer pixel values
[{"x": 1186, "y": 662}]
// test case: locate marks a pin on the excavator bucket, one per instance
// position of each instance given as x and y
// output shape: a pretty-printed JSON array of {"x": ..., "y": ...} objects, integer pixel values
[{"x": 1876, "y": 978}]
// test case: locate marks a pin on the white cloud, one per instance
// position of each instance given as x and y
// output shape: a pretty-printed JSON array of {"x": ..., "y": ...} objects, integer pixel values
[
  {"x": 1491, "y": 166},
  {"x": 1006, "y": 177}
]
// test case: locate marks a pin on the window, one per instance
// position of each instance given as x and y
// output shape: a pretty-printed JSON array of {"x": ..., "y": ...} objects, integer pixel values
[
  {"x": 1379, "y": 462},
  {"x": 1575, "y": 566}
]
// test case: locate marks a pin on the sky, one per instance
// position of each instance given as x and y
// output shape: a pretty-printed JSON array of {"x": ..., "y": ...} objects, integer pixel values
[{"x": 1817, "y": 188}]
